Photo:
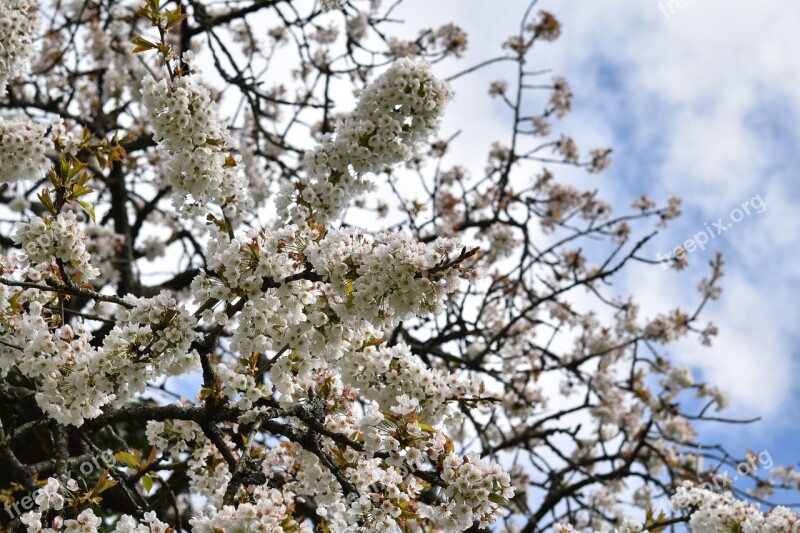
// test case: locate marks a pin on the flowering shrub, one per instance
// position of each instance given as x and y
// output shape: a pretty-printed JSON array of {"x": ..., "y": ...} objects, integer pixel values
[{"x": 283, "y": 313}]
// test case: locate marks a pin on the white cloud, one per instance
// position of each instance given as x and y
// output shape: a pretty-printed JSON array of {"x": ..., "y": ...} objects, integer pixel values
[
  {"x": 709, "y": 72},
  {"x": 687, "y": 102}
]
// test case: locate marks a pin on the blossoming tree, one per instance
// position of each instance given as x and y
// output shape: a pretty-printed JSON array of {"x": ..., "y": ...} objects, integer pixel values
[{"x": 231, "y": 302}]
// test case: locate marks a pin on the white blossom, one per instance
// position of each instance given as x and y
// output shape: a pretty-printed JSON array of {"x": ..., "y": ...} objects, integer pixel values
[
  {"x": 47, "y": 239},
  {"x": 19, "y": 25},
  {"x": 23, "y": 149},
  {"x": 194, "y": 141},
  {"x": 396, "y": 111},
  {"x": 713, "y": 512}
]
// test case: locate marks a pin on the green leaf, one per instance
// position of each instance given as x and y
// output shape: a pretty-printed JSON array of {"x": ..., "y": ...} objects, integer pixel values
[
  {"x": 47, "y": 202},
  {"x": 83, "y": 180},
  {"x": 75, "y": 168},
  {"x": 63, "y": 167},
  {"x": 103, "y": 484},
  {"x": 164, "y": 49},
  {"x": 53, "y": 176},
  {"x": 79, "y": 191},
  {"x": 147, "y": 483},
  {"x": 496, "y": 498},
  {"x": 88, "y": 208},
  {"x": 174, "y": 17},
  {"x": 143, "y": 45},
  {"x": 101, "y": 160},
  {"x": 127, "y": 458}
]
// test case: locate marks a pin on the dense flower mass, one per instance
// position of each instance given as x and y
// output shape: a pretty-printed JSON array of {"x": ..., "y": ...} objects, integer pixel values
[
  {"x": 400, "y": 108},
  {"x": 47, "y": 240},
  {"x": 385, "y": 279},
  {"x": 23, "y": 149},
  {"x": 19, "y": 24},
  {"x": 473, "y": 486},
  {"x": 269, "y": 512},
  {"x": 401, "y": 384},
  {"x": 77, "y": 379},
  {"x": 713, "y": 512},
  {"x": 156, "y": 340},
  {"x": 349, "y": 284},
  {"x": 194, "y": 143}
]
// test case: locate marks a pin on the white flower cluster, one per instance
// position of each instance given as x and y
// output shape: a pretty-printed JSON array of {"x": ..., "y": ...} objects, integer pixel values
[
  {"x": 172, "y": 437},
  {"x": 385, "y": 280},
  {"x": 386, "y": 491},
  {"x": 382, "y": 508},
  {"x": 270, "y": 511},
  {"x": 85, "y": 522},
  {"x": 19, "y": 24},
  {"x": 400, "y": 108},
  {"x": 241, "y": 386},
  {"x": 244, "y": 263},
  {"x": 78, "y": 380},
  {"x": 48, "y": 496},
  {"x": 88, "y": 522},
  {"x": 472, "y": 484},
  {"x": 399, "y": 432},
  {"x": 208, "y": 473},
  {"x": 389, "y": 498},
  {"x": 195, "y": 145},
  {"x": 360, "y": 284},
  {"x": 155, "y": 340},
  {"x": 44, "y": 240},
  {"x": 713, "y": 512},
  {"x": 51, "y": 497},
  {"x": 10, "y": 319},
  {"x": 387, "y": 375},
  {"x": 23, "y": 148},
  {"x": 62, "y": 360},
  {"x": 185, "y": 441},
  {"x": 150, "y": 524},
  {"x": 68, "y": 140},
  {"x": 363, "y": 279},
  {"x": 628, "y": 526},
  {"x": 357, "y": 26}
]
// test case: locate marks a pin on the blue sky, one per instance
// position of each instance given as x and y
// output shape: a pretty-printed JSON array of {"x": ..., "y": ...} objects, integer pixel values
[{"x": 702, "y": 104}]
